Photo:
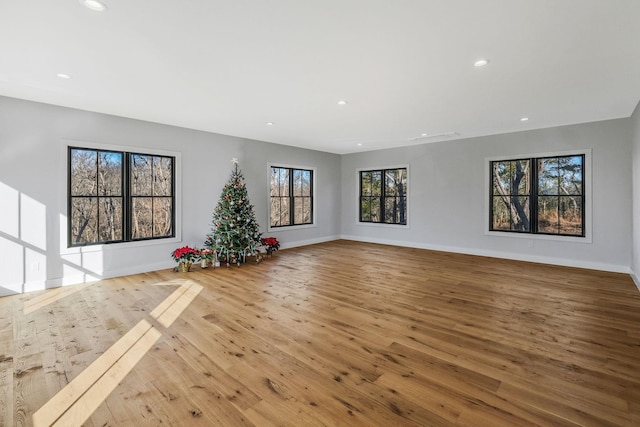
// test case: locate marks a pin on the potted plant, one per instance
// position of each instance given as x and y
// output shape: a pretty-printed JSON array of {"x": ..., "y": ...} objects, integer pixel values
[
  {"x": 185, "y": 256},
  {"x": 206, "y": 256},
  {"x": 271, "y": 244}
]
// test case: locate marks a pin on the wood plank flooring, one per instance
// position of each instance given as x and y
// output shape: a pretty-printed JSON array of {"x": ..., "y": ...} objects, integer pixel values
[{"x": 339, "y": 333}]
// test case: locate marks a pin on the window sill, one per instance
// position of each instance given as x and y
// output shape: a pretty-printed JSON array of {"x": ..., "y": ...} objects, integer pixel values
[
  {"x": 551, "y": 237},
  {"x": 106, "y": 247},
  {"x": 289, "y": 227},
  {"x": 382, "y": 224}
]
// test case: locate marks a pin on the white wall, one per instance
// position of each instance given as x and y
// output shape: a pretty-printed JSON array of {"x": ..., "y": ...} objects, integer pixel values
[
  {"x": 33, "y": 141},
  {"x": 635, "y": 262},
  {"x": 446, "y": 207},
  {"x": 447, "y": 195}
]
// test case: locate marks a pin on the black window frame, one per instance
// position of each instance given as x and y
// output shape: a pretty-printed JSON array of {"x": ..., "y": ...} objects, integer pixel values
[
  {"x": 535, "y": 196},
  {"x": 383, "y": 197},
  {"x": 291, "y": 197},
  {"x": 125, "y": 196}
]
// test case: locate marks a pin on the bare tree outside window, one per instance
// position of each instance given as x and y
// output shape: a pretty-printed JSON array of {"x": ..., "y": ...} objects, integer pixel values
[
  {"x": 96, "y": 198},
  {"x": 108, "y": 204},
  {"x": 151, "y": 195},
  {"x": 291, "y": 196},
  {"x": 560, "y": 197},
  {"x": 511, "y": 195},
  {"x": 538, "y": 195},
  {"x": 383, "y": 196}
]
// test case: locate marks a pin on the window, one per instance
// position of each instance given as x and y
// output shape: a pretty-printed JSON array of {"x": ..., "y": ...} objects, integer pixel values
[
  {"x": 117, "y": 196},
  {"x": 383, "y": 196},
  {"x": 291, "y": 196},
  {"x": 543, "y": 195}
]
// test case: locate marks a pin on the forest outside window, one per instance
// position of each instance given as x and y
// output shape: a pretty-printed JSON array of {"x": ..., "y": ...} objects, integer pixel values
[
  {"x": 383, "y": 196},
  {"x": 543, "y": 195},
  {"x": 291, "y": 196},
  {"x": 117, "y": 196}
]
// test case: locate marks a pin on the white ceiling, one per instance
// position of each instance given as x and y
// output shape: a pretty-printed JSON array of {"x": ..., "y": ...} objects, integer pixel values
[{"x": 404, "y": 66}]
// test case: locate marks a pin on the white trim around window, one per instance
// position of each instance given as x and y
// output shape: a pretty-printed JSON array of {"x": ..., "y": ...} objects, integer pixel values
[
  {"x": 64, "y": 147},
  {"x": 407, "y": 203},
  {"x": 588, "y": 194},
  {"x": 314, "y": 170}
]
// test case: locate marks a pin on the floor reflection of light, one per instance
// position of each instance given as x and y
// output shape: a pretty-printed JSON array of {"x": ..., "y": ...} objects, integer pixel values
[{"x": 75, "y": 403}]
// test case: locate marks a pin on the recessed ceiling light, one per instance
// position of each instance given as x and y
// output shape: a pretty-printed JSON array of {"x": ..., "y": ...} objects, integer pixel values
[
  {"x": 270, "y": 123},
  {"x": 342, "y": 102},
  {"x": 481, "y": 63},
  {"x": 95, "y": 5},
  {"x": 524, "y": 119},
  {"x": 63, "y": 76},
  {"x": 359, "y": 144},
  {"x": 423, "y": 134}
]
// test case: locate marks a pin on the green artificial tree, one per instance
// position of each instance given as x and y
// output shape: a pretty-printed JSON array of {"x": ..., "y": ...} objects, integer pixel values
[{"x": 235, "y": 231}]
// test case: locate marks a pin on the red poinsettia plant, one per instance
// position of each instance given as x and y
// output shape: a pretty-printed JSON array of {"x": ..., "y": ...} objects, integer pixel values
[
  {"x": 206, "y": 253},
  {"x": 271, "y": 243},
  {"x": 185, "y": 254}
]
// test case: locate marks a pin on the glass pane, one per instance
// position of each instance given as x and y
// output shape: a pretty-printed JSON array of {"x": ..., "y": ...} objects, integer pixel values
[
  {"x": 391, "y": 210},
  {"x": 275, "y": 212},
  {"x": 109, "y": 174},
  {"x": 141, "y": 176},
  {"x": 390, "y": 183},
  {"x": 402, "y": 182},
  {"x": 548, "y": 176},
  {"x": 162, "y": 215},
  {"x": 365, "y": 183},
  {"x": 297, "y": 211},
  {"x": 521, "y": 177},
  {"x": 511, "y": 177},
  {"x": 84, "y": 220},
  {"x": 501, "y": 172},
  {"x": 375, "y": 210},
  {"x": 110, "y": 219},
  {"x": 306, "y": 183},
  {"x": 297, "y": 182},
  {"x": 376, "y": 183},
  {"x": 83, "y": 173},
  {"x": 548, "y": 214},
  {"x": 570, "y": 215},
  {"x": 514, "y": 209},
  {"x": 284, "y": 182},
  {"x": 275, "y": 182},
  {"x": 501, "y": 215},
  {"x": 307, "y": 211},
  {"x": 141, "y": 218},
  {"x": 570, "y": 175},
  {"x": 285, "y": 216},
  {"x": 402, "y": 210},
  {"x": 365, "y": 209},
  {"x": 520, "y": 213},
  {"x": 162, "y": 184}
]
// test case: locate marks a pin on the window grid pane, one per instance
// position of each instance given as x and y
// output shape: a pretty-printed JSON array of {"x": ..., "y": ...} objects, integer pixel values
[
  {"x": 291, "y": 196},
  {"x": 383, "y": 203},
  {"x": 546, "y": 200},
  {"x": 108, "y": 205}
]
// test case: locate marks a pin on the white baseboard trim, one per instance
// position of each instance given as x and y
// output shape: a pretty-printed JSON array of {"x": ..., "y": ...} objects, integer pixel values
[
  {"x": 77, "y": 279},
  {"x": 496, "y": 254},
  {"x": 635, "y": 279},
  {"x": 309, "y": 242}
]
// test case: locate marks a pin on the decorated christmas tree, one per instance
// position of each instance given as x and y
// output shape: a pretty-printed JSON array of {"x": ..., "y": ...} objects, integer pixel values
[{"x": 235, "y": 231}]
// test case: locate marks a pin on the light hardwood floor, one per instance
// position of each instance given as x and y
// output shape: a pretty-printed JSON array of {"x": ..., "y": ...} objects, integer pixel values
[{"x": 339, "y": 333}]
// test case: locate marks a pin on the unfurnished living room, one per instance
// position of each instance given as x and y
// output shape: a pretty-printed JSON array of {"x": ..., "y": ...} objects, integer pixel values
[{"x": 320, "y": 213}]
